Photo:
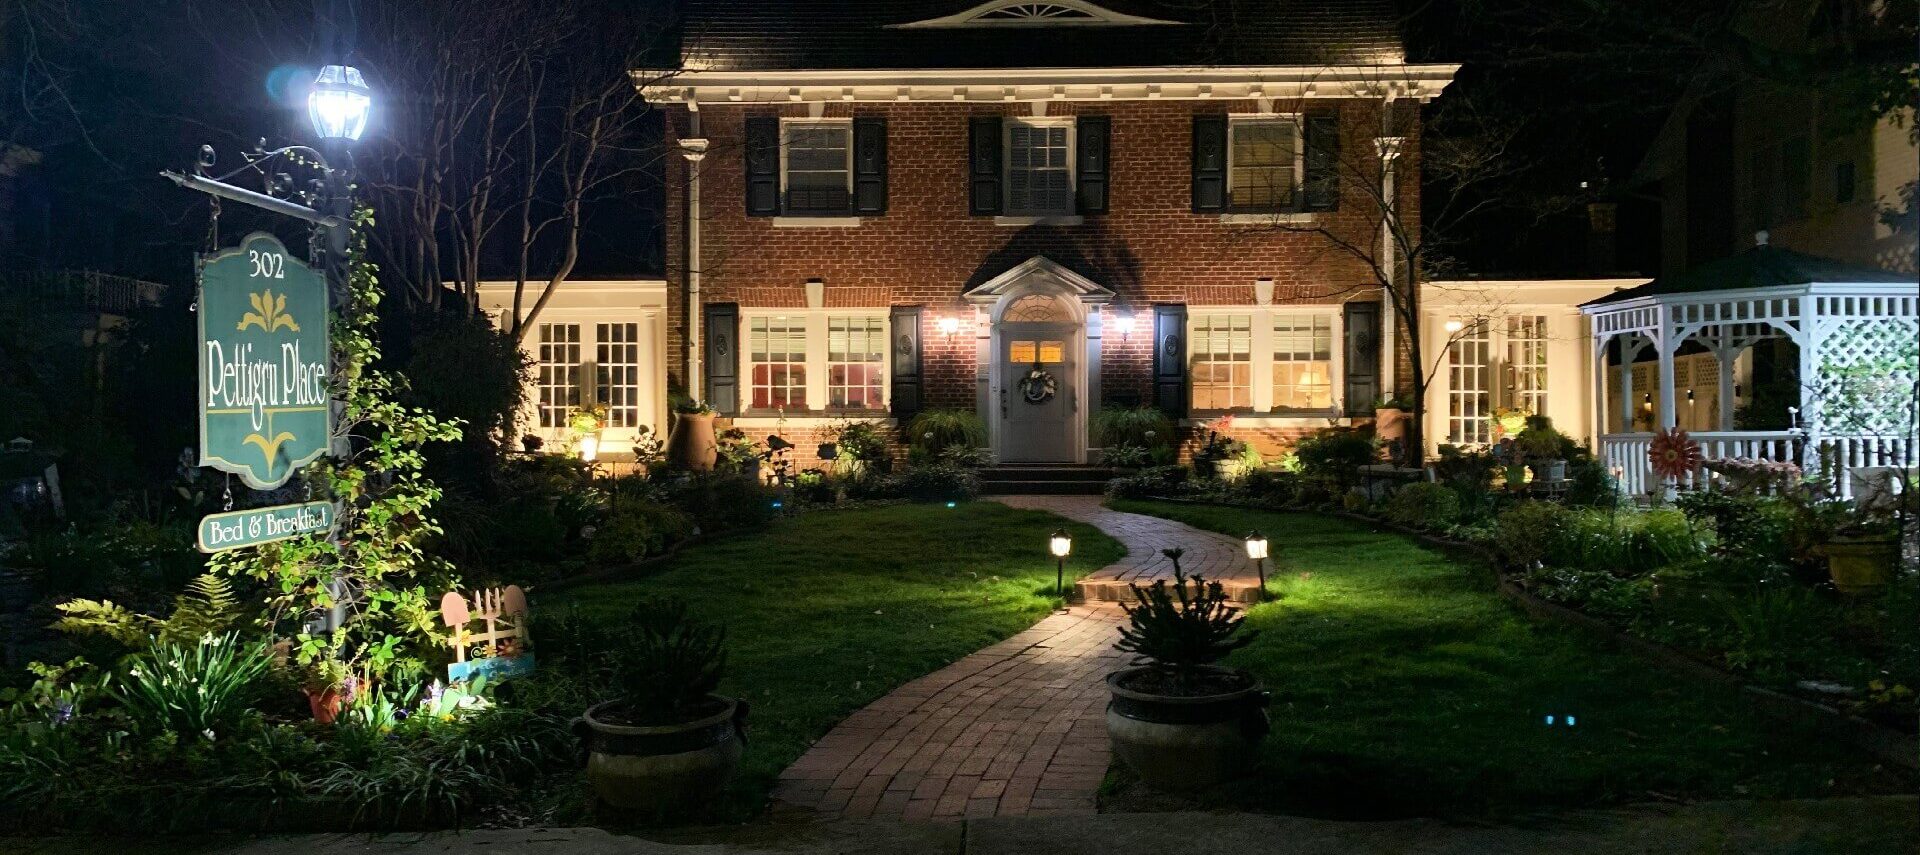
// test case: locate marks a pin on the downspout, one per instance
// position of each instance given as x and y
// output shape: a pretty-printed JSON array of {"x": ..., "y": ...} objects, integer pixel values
[{"x": 694, "y": 149}]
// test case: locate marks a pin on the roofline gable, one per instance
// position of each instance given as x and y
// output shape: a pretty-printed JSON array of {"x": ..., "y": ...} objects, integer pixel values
[{"x": 1095, "y": 16}]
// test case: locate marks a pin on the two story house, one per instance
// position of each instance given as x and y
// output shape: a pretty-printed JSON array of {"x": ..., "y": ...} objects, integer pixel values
[{"x": 1034, "y": 211}]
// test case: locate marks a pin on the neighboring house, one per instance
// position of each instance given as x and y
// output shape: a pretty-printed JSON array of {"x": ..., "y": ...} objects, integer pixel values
[
  {"x": 1033, "y": 211},
  {"x": 595, "y": 342}
]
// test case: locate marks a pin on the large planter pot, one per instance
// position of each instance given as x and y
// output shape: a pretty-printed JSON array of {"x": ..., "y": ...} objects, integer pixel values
[
  {"x": 1549, "y": 470},
  {"x": 671, "y": 766},
  {"x": 325, "y": 703},
  {"x": 690, "y": 444},
  {"x": 1861, "y": 565},
  {"x": 1390, "y": 424},
  {"x": 1185, "y": 743}
]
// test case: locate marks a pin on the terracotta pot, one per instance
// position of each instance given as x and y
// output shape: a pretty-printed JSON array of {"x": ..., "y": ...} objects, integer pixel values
[
  {"x": 670, "y": 766},
  {"x": 1861, "y": 565},
  {"x": 1186, "y": 743},
  {"x": 690, "y": 444},
  {"x": 1390, "y": 424},
  {"x": 325, "y": 703}
]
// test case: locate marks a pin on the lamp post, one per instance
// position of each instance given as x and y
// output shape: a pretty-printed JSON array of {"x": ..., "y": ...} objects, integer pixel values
[
  {"x": 339, "y": 105},
  {"x": 1061, "y": 545},
  {"x": 1257, "y": 550}
]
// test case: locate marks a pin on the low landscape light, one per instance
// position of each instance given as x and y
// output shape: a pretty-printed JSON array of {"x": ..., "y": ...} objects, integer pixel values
[
  {"x": 1257, "y": 550},
  {"x": 1060, "y": 543},
  {"x": 589, "y": 447},
  {"x": 339, "y": 103}
]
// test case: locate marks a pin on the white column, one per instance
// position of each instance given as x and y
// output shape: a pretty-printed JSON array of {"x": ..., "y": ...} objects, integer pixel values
[
  {"x": 1727, "y": 353},
  {"x": 1664, "y": 340},
  {"x": 1629, "y": 348},
  {"x": 1389, "y": 151},
  {"x": 694, "y": 149}
]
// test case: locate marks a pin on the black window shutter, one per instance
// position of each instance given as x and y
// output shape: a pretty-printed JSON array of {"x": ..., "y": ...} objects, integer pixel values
[
  {"x": 1170, "y": 359},
  {"x": 1209, "y": 163},
  {"x": 1322, "y": 192},
  {"x": 904, "y": 330},
  {"x": 763, "y": 166},
  {"x": 722, "y": 329},
  {"x": 983, "y": 165},
  {"x": 1363, "y": 358},
  {"x": 1093, "y": 135},
  {"x": 870, "y": 165}
]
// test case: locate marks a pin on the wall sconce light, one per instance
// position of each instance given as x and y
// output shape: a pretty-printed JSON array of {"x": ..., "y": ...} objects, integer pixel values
[
  {"x": 1646, "y": 401},
  {"x": 1689, "y": 396},
  {"x": 949, "y": 325},
  {"x": 1123, "y": 321}
]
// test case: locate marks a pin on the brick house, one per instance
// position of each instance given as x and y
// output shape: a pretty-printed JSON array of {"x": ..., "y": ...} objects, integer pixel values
[{"x": 1036, "y": 210}]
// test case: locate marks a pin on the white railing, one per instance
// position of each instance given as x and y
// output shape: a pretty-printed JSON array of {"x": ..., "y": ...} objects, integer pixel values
[{"x": 1626, "y": 455}]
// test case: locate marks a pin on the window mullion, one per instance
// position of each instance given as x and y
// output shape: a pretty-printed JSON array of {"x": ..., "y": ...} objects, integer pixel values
[
  {"x": 816, "y": 361},
  {"x": 1261, "y": 359}
]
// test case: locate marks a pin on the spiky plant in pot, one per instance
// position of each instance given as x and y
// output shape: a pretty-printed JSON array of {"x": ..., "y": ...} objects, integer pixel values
[{"x": 1182, "y": 629}]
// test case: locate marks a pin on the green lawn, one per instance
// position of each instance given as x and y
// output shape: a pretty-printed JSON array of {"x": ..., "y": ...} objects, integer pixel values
[
  {"x": 1403, "y": 685},
  {"x": 830, "y": 610}
]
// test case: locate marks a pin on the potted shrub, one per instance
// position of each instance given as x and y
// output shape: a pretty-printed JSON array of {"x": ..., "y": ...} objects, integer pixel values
[
  {"x": 1861, "y": 555},
  {"x": 1176, "y": 719},
  {"x": 665, "y": 741},
  {"x": 1545, "y": 449},
  {"x": 1390, "y": 420},
  {"x": 690, "y": 443},
  {"x": 1219, "y": 445}
]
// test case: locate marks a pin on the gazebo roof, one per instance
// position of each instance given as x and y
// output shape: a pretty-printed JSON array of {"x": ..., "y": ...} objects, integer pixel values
[{"x": 1763, "y": 266}]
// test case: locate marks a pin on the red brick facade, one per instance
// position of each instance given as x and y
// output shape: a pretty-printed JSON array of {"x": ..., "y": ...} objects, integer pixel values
[{"x": 1150, "y": 248}]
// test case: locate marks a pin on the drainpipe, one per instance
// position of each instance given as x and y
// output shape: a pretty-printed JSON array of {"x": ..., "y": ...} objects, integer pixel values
[
  {"x": 694, "y": 149},
  {"x": 1389, "y": 150}
]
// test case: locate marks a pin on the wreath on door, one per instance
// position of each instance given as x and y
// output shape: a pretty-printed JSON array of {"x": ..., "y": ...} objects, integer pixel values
[{"x": 1038, "y": 386}]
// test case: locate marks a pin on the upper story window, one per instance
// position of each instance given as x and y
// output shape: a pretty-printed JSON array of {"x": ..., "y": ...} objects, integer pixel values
[
  {"x": 817, "y": 165},
  {"x": 1039, "y": 168},
  {"x": 1264, "y": 163}
]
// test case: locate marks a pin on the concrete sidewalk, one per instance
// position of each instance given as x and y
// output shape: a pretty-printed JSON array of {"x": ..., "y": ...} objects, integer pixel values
[{"x": 1856, "y": 826}]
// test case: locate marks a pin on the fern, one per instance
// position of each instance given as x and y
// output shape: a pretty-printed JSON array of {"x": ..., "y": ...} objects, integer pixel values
[
  {"x": 206, "y": 607},
  {"x": 105, "y": 617}
]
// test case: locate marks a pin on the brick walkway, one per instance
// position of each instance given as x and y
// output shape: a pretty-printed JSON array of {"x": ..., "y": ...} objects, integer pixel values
[
  {"x": 1016, "y": 729},
  {"x": 1217, "y": 557}
]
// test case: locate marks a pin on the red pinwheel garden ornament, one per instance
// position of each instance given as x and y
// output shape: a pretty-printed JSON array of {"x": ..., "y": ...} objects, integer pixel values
[{"x": 1673, "y": 454}]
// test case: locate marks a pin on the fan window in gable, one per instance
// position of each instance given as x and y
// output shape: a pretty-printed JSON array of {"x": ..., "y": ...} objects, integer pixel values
[{"x": 1035, "y": 12}]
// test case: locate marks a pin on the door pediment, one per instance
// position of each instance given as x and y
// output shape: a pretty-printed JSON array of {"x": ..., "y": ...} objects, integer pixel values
[{"x": 1039, "y": 274}]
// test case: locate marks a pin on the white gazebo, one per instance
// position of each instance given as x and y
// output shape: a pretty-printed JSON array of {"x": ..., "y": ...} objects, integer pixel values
[{"x": 1853, "y": 333}]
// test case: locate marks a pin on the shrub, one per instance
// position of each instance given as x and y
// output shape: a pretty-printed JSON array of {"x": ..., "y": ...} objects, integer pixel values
[
  {"x": 1126, "y": 456},
  {"x": 1271, "y": 486},
  {"x": 668, "y": 665},
  {"x": 937, "y": 483},
  {"x": 719, "y": 501},
  {"x": 1179, "y": 629},
  {"x": 1421, "y": 505},
  {"x": 862, "y": 442},
  {"x": 192, "y": 688},
  {"x": 816, "y": 486},
  {"x": 1589, "y": 484},
  {"x": 1335, "y": 455},
  {"x": 1625, "y": 543},
  {"x": 1141, "y": 427},
  {"x": 1525, "y": 534},
  {"x": 934, "y": 431},
  {"x": 463, "y": 368},
  {"x": 1147, "y": 483},
  {"x": 1744, "y": 526},
  {"x": 636, "y": 529}
]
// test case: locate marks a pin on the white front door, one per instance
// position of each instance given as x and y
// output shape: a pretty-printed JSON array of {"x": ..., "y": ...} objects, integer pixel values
[{"x": 1038, "y": 369}]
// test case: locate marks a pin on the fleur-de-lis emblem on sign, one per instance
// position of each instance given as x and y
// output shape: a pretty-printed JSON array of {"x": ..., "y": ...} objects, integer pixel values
[
  {"x": 269, "y": 448},
  {"x": 269, "y": 313}
]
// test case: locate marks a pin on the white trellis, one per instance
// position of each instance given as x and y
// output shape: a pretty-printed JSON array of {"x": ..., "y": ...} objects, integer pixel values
[{"x": 1853, "y": 328}]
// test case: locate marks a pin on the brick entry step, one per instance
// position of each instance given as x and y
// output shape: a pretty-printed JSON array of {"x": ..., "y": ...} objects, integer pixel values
[{"x": 1044, "y": 479}]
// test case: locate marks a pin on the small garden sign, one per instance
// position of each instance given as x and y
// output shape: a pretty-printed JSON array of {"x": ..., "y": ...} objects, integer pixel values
[
  {"x": 254, "y": 526},
  {"x": 501, "y": 649}
]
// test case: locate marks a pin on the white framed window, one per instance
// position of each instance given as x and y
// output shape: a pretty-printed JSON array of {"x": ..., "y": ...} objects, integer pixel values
[
  {"x": 1470, "y": 383},
  {"x": 1039, "y": 167},
  {"x": 816, "y": 165},
  {"x": 1222, "y": 369},
  {"x": 1302, "y": 362},
  {"x": 816, "y": 360},
  {"x": 777, "y": 347},
  {"x": 1259, "y": 360},
  {"x": 1266, "y": 162},
  {"x": 617, "y": 366},
  {"x": 856, "y": 362},
  {"x": 557, "y": 366},
  {"x": 1527, "y": 362}
]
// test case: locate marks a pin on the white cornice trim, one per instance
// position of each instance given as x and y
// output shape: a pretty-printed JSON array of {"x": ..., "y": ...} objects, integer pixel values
[{"x": 1280, "y": 83}]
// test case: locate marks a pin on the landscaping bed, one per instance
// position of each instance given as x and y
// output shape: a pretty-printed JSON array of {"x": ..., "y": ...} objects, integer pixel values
[{"x": 1404, "y": 685}]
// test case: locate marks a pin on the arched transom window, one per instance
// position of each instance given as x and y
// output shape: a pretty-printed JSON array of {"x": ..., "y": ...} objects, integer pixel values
[{"x": 1036, "y": 308}]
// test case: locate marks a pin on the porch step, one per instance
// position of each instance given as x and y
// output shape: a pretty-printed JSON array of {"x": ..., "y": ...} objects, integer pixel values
[
  {"x": 1015, "y": 479},
  {"x": 1243, "y": 591}
]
